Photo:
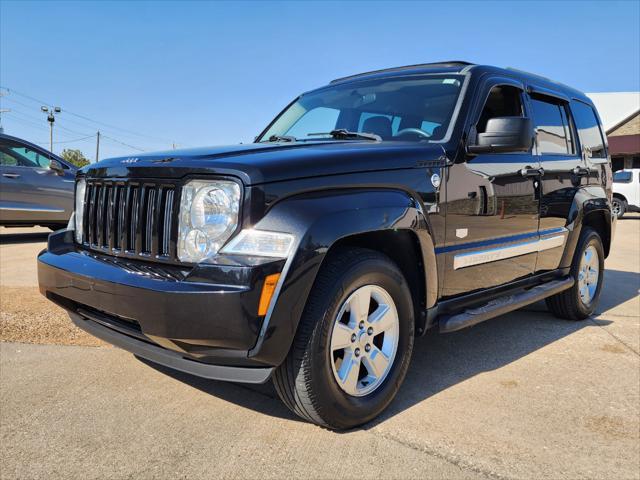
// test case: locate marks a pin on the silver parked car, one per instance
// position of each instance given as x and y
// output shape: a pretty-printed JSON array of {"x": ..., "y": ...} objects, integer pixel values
[{"x": 36, "y": 186}]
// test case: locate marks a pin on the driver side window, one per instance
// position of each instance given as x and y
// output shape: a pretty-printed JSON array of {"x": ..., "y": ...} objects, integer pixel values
[{"x": 503, "y": 101}]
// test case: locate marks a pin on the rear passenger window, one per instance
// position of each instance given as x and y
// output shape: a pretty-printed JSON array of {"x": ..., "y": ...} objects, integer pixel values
[
  {"x": 552, "y": 127},
  {"x": 588, "y": 129}
]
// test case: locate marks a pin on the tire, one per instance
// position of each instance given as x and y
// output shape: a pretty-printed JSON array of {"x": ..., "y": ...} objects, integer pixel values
[
  {"x": 571, "y": 304},
  {"x": 618, "y": 207},
  {"x": 308, "y": 379}
]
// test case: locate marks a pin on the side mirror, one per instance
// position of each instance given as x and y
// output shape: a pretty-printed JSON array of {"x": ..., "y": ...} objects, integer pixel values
[
  {"x": 56, "y": 166},
  {"x": 504, "y": 134}
]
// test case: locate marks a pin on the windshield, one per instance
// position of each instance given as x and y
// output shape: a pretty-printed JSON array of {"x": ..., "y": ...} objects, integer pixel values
[{"x": 416, "y": 108}]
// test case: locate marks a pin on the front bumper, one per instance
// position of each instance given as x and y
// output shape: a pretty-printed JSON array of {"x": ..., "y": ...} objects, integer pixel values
[{"x": 201, "y": 320}]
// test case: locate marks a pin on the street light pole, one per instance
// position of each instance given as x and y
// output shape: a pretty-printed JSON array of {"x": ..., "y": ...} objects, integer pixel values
[
  {"x": 51, "y": 118},
  {"x": 98, "y": 146}
]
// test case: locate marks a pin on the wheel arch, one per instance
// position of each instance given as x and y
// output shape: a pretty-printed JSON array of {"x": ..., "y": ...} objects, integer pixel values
[
  {"x": 598, "y": 221},
  {"x": 590, "y": 208},
  {"x": 390, "y": 221},
  {"x": 403, "y": 248}
]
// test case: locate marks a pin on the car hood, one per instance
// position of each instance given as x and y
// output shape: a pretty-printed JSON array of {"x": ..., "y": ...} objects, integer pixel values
[{"x": 258, "y": 163}]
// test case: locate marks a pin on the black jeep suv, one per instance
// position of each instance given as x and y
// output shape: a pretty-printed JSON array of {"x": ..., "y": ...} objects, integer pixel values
[{"x": 367, "y": 212}]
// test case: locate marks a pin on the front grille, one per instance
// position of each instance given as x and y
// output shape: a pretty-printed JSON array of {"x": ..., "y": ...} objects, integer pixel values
[{"x": 131, "y": 218}]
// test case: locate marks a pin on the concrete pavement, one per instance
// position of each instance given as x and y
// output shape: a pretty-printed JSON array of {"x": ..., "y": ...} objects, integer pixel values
[{"x": 521, "y": 396}]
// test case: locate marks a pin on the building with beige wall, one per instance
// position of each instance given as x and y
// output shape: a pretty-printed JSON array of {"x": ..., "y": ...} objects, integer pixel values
[{"x": 620, "y": 114}]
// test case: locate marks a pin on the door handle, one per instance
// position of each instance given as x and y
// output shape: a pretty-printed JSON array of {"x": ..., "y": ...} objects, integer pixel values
[
  {"x": 531, "y": 172},
  {"x": 11, "y": 175},
  {"x": 581, "y": 171}
]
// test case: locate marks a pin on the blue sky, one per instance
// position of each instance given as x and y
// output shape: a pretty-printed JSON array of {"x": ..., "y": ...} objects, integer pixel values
[{"x": 206, "y": 73}]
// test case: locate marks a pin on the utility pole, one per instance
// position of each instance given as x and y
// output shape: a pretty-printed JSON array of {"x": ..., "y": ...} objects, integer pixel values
[
  {"x": 51, "y": 118},
  {"x": 98, "y": 146}
]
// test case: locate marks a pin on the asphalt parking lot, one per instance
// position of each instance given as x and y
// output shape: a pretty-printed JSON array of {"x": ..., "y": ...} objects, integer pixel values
[{"x": 521, "y": 396}]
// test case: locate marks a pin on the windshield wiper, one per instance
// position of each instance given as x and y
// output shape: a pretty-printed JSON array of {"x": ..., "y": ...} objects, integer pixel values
[
  {"x": 282, "y": 138},
  {"x": 344, "y": 134}
]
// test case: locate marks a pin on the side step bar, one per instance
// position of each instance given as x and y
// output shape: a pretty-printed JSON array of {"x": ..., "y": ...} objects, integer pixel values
[{"x": 503, "y": 305}]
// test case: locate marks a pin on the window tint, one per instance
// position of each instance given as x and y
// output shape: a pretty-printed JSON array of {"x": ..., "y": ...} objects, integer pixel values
[
  {"x": 7, "y": 160},
  {"x": 16, "y": 155},
  {"x": 34, "y": 157},
  {"x": 503, "y": 101},
  {"x": 588, "y": 129},
  {"x": 384, "y": 107},
  {"x": 622, "y": 177},
  {"x": 552, "y": 126}
]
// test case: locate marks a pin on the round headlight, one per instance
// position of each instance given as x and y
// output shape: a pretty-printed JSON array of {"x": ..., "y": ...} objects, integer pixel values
[
  {"x": 211, "y": 211},
  {"x": 208, "y": 217},
  {"x": 197, "y": 244}
]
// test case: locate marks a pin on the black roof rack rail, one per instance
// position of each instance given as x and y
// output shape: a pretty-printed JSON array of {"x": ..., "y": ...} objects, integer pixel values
[
  {"x": 448, "y": 63},
  {"x": 517, "y": 70}
]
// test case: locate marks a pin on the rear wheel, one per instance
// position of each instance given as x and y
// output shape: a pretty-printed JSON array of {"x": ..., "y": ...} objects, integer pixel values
[
  {"x": 580, "y": 301},
  {"x": 354, "y": 342},
  {"x": 618, "y": 207}
]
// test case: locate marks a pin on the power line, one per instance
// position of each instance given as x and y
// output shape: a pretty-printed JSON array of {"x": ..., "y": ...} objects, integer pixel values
[
  {"x": 85, "y": 137},
  {"x": 102, "y": 135},
  {"x": 75, "y": 139},
  {"x": 87, "y": 118},
  {"x": 82, "y": 124},
  {"x": 59, "y": 126},
  {"x": 22, "y": 120},
  {"x": 84, "y": 134}
]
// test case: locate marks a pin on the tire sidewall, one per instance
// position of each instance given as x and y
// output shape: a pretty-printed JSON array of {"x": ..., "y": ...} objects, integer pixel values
[
  {"x": 590, "y": 238},
  {"x": 346, "y": 410}
]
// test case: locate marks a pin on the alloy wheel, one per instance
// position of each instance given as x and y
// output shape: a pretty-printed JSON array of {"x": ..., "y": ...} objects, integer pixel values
[
  {"x": 364, "y": 340},
  {"x": 615, "y": 208},
  {"x": 588, "y": 275}
]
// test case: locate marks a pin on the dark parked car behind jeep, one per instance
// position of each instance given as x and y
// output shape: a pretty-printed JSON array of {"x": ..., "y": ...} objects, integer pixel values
[{"x": 367, "y": 212}]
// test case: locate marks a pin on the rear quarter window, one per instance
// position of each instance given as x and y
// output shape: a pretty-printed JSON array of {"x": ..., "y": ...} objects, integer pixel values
[{"x": 589, "y": 131}]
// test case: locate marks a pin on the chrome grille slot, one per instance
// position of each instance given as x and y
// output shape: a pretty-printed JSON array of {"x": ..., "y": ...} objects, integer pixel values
[
  {"x": 131, "y": 218},
  {"x": 167, "y": 217},
  {"x": 119, "y": 227},
  {"x": 133, "y": 221},
  {"x": 149, "y": 213}
]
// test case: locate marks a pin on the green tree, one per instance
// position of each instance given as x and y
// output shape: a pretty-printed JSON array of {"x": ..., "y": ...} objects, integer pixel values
[{"x": 75, "y": 157}]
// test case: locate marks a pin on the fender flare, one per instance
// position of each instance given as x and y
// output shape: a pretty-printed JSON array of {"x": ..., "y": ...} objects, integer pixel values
[
  {"x": 587, "y": 201},
  {"x": 318, "y": 220}
]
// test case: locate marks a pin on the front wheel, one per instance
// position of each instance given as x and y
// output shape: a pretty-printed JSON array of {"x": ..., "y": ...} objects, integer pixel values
[
  {"x": 580, "y": 301},
  {"x": 354, "y": 342}
]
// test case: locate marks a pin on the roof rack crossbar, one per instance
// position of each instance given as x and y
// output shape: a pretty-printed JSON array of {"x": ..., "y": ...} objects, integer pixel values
[{"x": 450, "y": 63}]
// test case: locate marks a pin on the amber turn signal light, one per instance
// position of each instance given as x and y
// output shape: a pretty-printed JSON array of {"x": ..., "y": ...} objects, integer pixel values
[{"x": 268, "y": 289}]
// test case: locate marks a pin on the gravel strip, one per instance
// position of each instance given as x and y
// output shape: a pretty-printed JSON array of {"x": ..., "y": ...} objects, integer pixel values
[{"x": 26, "y": 316}]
